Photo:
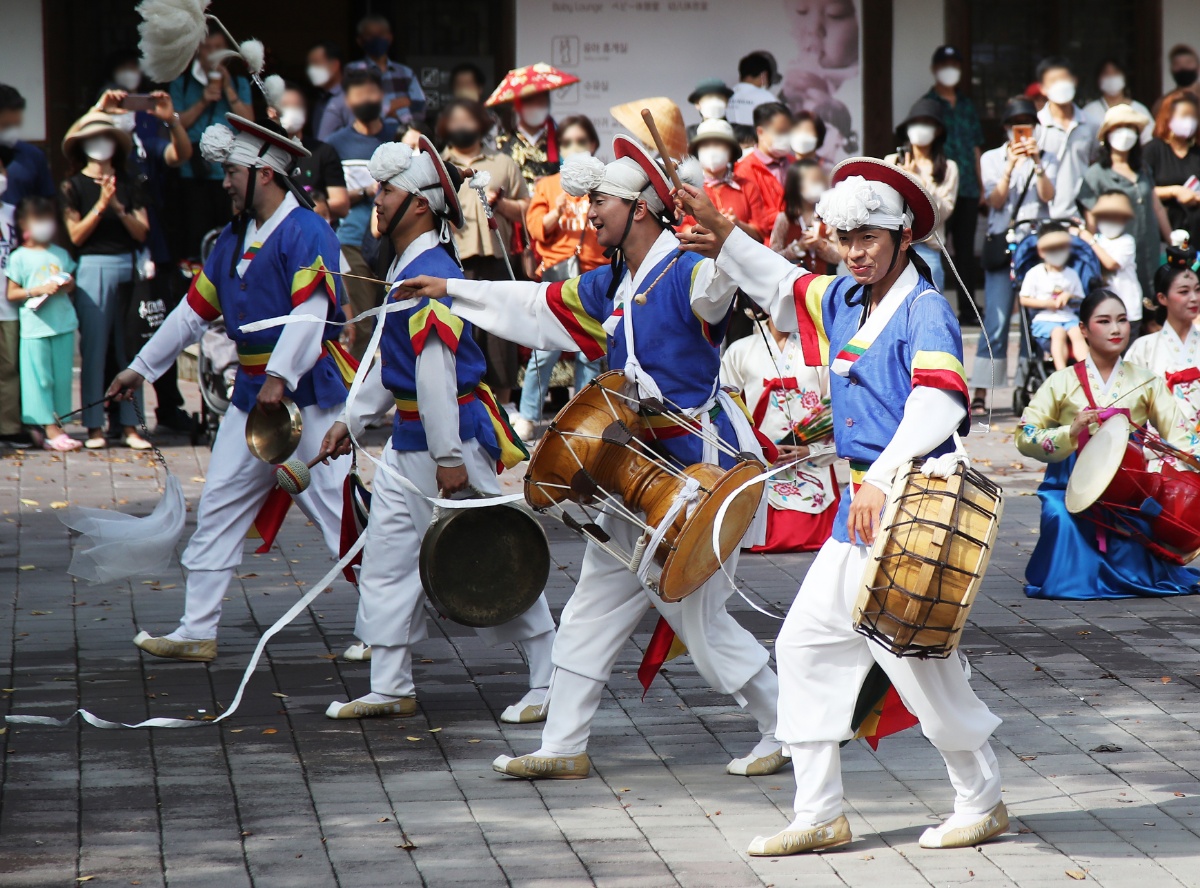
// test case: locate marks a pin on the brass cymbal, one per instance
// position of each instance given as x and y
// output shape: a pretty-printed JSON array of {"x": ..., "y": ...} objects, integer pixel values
[{"x": 273, "y": 436}]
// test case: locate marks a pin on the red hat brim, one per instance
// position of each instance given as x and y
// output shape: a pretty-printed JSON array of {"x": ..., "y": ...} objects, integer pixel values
[
  {"x": 453, "y": 207},
  {"x": 624, "y": 146},
  {"x": 919, "y": 201},
  {"x": 291, "y": 146}
]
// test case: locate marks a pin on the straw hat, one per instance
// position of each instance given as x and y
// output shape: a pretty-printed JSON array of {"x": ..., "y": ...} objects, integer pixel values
[
  {"x": 716, "y": 130},
  {"x": 95, "y": 123},
  {"x": 1112, "y": 205},
  {"x": 667, "y": 116},
  {"x": 1122, "y": 115}
]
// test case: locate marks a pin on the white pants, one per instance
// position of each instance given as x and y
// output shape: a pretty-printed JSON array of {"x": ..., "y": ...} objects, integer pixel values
[
  {"x": 822, "y": 662},
  {"x": 602, "y": 614},
  {"x": 234, "y": 490},
  {"x": 391, "y": 599}
]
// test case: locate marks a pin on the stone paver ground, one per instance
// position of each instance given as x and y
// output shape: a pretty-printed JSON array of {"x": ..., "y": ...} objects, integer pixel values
[{"x": 1100, "y": 756}]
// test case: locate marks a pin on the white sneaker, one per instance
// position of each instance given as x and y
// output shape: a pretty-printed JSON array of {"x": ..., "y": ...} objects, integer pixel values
[{"x": 357, "y": 652}]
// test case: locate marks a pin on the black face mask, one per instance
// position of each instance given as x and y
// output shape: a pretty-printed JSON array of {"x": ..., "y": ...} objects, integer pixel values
[
  {"x": 367, "y": 111},
  {"x": 1185, "y": 77},
  {"x": 462, "y": 138}
]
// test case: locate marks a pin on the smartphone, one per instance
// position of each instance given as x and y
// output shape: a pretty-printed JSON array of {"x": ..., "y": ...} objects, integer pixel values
[
  {"x": 1022, "y": 132},
  {"x": 1192, "y": 183},
  {"x": 138, "y": 102}
]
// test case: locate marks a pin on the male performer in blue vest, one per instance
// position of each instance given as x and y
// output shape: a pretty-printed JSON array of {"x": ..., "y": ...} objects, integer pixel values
[
  {"x": 447, "y": 434},
  {"x": 667, "y": 341},
  {"x": 271, "y": 260}
]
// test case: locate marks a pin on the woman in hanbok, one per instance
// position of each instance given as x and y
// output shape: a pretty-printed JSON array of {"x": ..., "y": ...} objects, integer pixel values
[
  {"x": 789, "y": 402},
  {"x": 1073, "y": 559},
  {"x": 1174, "y": 351}
]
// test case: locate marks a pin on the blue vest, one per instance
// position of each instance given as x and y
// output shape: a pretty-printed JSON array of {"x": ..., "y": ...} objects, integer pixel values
[
  {"x": 398, "y": 358},
  {"x": 275, "y": 282}
]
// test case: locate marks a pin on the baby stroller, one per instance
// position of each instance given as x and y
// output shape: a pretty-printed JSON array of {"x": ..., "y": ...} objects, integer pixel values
[
  {"x": 1037, "y": 365},
  {"x": 216, "y": 369}
]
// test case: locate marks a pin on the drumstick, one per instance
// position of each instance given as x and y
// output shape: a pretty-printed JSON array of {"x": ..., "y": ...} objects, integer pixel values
[{"x": 668, "y": 164}]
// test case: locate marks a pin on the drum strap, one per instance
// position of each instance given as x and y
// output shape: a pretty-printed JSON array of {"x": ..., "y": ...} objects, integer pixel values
[{"x": 1080, "y": 368}]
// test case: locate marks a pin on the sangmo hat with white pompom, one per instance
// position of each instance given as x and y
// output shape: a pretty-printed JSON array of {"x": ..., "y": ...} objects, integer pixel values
[{"x": 866, "y": 191}]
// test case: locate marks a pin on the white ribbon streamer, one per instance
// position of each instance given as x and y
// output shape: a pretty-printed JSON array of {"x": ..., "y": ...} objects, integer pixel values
[
  {"x": 688, "y": 495},
  {"x": 291, "y": 614}
]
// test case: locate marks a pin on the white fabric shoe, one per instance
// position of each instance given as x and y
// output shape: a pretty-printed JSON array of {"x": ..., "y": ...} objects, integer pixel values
[
  {"x": 357, "y": 652},
  {"x": 190, "y": 651},
  {"x": 401, "y": 708},
  {"x": 523, "y": 428},
  {"x": 544, "y": 767},
  {"x": 832, "y": 834},
  {"x": 966, "y": 830},
  {"x": 530, "y": 709}
]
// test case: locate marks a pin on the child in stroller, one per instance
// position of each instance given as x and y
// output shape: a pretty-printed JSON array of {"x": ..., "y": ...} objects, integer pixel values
[{"x": 1037, "y": 364}]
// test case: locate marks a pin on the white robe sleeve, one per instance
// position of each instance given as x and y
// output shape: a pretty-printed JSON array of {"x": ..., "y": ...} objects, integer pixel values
[
  {"x": 372, "y": 402},
  {"x": 824, "y": 453},
  {"x": 931, "y": 415},
  {"x": 437, "y": 402},
  {"x": 181, "y": 328},
  {"x": 299, "y": 345},
  {"x": 513, "y": 310},
  {"x": 763, "y": 275},
  {"x": 712, "y": 292}
]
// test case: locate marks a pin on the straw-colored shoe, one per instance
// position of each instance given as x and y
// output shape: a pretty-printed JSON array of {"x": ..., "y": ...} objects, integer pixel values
[
  {"x": 200, "y": 651},
  {"x": 832, "y": 834},
  {"x": 545, "y": 767}
]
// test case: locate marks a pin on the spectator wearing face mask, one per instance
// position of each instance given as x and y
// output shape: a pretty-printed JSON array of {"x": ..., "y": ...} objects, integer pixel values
[
  {"x": 1066, "y": 134},
  {"x": 807, "y": 137},
  {"x": 1110, "y": 216},
  {"x": 325, "y": 74},
  {"x": 322, "y": 169},
  {"x": 767, "y": 164},
  {"x": 1173, "y": 160},
  {"x": 124, "y": 72},
  {"x": 533, "y": 143},
  {"x": 756, "y": 72},
  {"x": 354, "y": 145},
  {"x": 27, "y": 171},
  {"x": 922, "y": 137},
  {"x": 461, "y": 127},
  {"x": 403, "y": 98},
  {"x": 737, "y": 197},
  {"x": 1119, "y": 167},
  {"x": 711, "y": 99},
  {"x": 799, "y": 235},
  {"x": 558, "y": 226},
  {"x": 467, "y": 82},
  {"x": 203, "y": 95},
  {"x": 107, "y": 222},
  {"x": 964, "y": 146},
  {"x": 1185, "y": 68},
  {"x": 1114, "y": 90}
]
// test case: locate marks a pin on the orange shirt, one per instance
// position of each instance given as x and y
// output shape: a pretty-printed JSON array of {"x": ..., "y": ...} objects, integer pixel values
[
  {"x": 741, "y": 197},
  {"x": 573, "y": 220},
  {"x": 770, "y": 189}
]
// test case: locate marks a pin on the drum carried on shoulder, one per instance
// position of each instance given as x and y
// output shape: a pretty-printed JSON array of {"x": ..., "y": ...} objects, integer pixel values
[
  {"x": 595, "y": 454},
  {"x": 928, "y": 559},
  {"x": 1112, "y": 485}
]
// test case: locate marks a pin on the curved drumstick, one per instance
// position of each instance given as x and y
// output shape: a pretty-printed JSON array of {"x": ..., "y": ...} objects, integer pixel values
[{"x": 668, "y": 164}]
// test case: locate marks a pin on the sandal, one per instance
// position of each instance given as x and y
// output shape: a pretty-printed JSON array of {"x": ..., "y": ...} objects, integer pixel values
[
  {"x": 62, "y": 443},
  {"x": 978, "y": 407}
]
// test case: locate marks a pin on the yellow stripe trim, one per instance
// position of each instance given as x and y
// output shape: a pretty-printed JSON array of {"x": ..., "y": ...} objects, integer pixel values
[
  {"x": 206, "y": 289},
  {"x": 814, "y": 296},
  {"x": 938, "y": 360},
  {"x": 305, "y": 277},
  {"x": 419, "y": 320},
  {"x": 591, "y": 326},
  {"x": 857, "y": 475}
]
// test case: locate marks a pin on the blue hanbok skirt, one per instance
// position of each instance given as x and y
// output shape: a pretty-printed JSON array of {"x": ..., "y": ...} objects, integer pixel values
[{"x": 1067, "y": 561}]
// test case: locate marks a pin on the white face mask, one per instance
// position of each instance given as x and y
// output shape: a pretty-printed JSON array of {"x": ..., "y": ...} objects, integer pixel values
[
  {"x": 100, "y": 148},
  {"x": 1061, "y": 92},
  {"x": 8, "y": 135},
  {"x": 42, "y": 230},
  {"x": 812, "y": 193},
  {"x": 804, "y": 142},
  {"x": 533, "y": 118},
  {"x": 921, "y": 134},
  {"x": 714, "y": 158},
  {"x": 1113, "y": 84},
  {"x": 1057, "y": 258},
  {"x": 292, "y": 119},
  {"x": 1111, "y": 229},
  {"x": 318, "y": 75},
  {"x": 712, "y": 107},
  {"x": 1122, "y": 138},
  {"x": 128, "y": 79},
  {"x": 781, "y": 144},
  {"x": 576, "y": 152},
  {"x": 1183, "y": 127},
  {"x": 126, "y": 122},
  {"x": 948, "y": 76}
]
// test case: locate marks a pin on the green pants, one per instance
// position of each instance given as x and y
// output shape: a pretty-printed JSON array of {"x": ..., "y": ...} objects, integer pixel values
[
  {"x": 46, "y": 365},
  {"x": 10, "y": 387}
]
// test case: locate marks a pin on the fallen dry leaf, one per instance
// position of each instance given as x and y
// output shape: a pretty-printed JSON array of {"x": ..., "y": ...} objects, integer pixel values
[
  {"x": 434, "y": 730},
  {"x": 59, "y": 504},
  {"x": 269, "y": 730},
  {"x": 1180, "y": 795},
  {"x": 27, "y": 567},
  {"x": 328, "y": 656},
  {"x": 383, "y": 820},
  {"x": 236, "y": 730},
  {"x": 41, "y": 613},
  {"x": 414, "y": 739},
  {"x": 279, "y": 695},
  {"x": 474, "y": 741},
  {"x": 29, "y": 502},
  {"x": 199, "y": 479},
  {"x": 84, "y": 878},
  {"x": 1166, "y": 679},
  {"x": 1077, "y": 875},
  {"x": 407, "y": 846}
]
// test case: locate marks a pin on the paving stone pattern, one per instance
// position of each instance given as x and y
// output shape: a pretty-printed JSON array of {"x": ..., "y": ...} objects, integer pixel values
[{"x": 1098, "y": 750}]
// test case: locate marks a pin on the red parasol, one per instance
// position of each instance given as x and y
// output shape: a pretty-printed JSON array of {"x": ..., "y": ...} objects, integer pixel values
[{"x": 529, "y": 80}]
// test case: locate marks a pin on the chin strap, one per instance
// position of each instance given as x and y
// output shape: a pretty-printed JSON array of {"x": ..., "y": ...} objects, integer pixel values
[
  {"x": 242, "y": 223},
  {"x": 398, "y": 216}
]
